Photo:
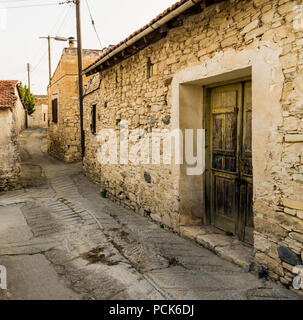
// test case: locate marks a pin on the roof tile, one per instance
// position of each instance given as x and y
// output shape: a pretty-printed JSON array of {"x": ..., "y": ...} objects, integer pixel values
[{"x": 8, "y": 97}]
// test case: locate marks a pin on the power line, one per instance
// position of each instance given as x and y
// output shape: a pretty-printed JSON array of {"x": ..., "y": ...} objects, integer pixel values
[
  {"x": 10, "y": 1},
  {"x": 43, "y": 45},
  {"x": 22, "y": 2},
  {"x": 66, "y": 18},
  {"x": 33, "y": 5},
  {"x": 58, "y": 21},
  {"x": 93, "y": 24}
]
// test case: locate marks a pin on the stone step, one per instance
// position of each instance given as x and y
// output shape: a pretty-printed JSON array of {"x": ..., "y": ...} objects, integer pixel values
[{"x": 227, "y": 247}]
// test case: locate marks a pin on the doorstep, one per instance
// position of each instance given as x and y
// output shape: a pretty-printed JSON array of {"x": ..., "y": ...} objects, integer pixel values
[{"x": 225, "y": 246}]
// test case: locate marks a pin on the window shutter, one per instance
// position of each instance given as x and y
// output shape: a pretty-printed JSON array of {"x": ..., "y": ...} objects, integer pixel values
[
  {"x": 94, "y": 119},
  {"x": 55, "y": 110}
]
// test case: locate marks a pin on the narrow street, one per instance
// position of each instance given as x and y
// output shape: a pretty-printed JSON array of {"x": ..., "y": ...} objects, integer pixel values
[{"x": 59, "y": 239}]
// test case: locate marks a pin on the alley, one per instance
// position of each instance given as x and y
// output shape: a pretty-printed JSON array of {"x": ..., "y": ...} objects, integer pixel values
[{"x": 60, "y": 239}]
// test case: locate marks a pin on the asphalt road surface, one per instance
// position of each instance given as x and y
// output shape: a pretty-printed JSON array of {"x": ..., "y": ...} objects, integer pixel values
[{"x": 59, "y": 239}]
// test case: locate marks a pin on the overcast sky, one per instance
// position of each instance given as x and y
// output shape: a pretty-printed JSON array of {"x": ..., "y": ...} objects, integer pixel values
[{"x": 21, "y": 27}]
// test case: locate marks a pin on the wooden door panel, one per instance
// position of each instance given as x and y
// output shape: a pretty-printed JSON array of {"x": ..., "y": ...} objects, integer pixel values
[
  {"x": 225, "y": 203},
  {"x": 218, "y": 127},
  {"x": 231, "y": 187},
  {"x": 224, "y": 124},
  {"x": 249, "y": 216},
  {"x": 230, "y": 132}
]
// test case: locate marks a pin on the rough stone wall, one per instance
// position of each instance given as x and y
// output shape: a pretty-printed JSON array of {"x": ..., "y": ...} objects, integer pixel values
[
  {"x": 39, "y": 119},
  {"x": 146, "y": 102},
  {"x": 64, "y": 140},
  {"x": 9, "y": 152}
]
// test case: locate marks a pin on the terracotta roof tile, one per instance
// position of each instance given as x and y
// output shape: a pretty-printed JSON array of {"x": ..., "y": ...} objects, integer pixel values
[{"x": 8, "y": 97}]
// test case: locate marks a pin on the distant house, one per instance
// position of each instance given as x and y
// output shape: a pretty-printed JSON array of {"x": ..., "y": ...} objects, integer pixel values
[
  {"x": 64, "y": 139},
  {"x": 39, "y": 119},
  {"x": 230, "y": 69},
  {"x": 12, "y": 122}
]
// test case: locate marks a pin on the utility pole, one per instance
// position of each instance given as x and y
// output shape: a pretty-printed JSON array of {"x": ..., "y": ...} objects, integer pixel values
[
  {"x": 29, "y": 87},
  {"x": 49, "y": 57},
  {"x": 49, "y": 60},
  {"x": 49, "y": 52},
  {"x": 79, "y": 49},
  {"x": 80, "y": 78},
  {"x": 28, "y": 76}
]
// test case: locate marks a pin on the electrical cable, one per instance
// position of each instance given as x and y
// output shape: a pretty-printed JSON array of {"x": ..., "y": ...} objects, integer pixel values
[
  {"x": 12, "y": 1},
  {"x": 93, "y": 24},
  {"x": 33, "y": 5},
  {"x": 64, "y": 16}
]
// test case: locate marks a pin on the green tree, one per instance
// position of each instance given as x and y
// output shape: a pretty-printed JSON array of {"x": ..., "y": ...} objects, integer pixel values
[{"x": 28, "y": 98}]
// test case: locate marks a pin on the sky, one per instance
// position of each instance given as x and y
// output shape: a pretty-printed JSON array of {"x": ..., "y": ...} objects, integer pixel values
[{"x": 22, "y": 22}]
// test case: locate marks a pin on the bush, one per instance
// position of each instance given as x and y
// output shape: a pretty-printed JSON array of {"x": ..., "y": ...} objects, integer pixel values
[{"x": 28, "y": 98}]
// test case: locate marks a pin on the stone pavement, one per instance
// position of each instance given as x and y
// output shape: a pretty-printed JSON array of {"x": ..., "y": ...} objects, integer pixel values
[{"x": 59, "y": 239}]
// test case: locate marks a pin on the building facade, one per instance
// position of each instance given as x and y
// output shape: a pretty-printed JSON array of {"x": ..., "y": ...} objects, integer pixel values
[
  {"x": 64, "y": 138},
  {"x": 12, "y": 122},
  {"x": 230, "y": 69},
  {"x": 39, "y": 119}
]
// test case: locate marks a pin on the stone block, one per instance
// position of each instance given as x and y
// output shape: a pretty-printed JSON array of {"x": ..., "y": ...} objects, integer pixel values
[
  {"x": 300, "y": 214},
  {"x": 298, "y": 178},
  {"x": 272, "y": 264},
  {"x": 192, "y": 232},
  {"x": 253, "y": 25},
  {"x": 293, "y": 204},
  {"x": 240, "y": 254},
  {"x": 293, "y": 138},
  {"x": 286, "y": 255},
  {"x": 296, "y": 236},
  {"x": 290, "y": 211},
  {"x": 291, "y": 124},
  {"x": 156, "y": 217},
  {"x": 211, "y": 241}
]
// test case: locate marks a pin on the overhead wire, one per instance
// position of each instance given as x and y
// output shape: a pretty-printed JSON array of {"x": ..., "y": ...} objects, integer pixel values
[
  {"x": 62, "y": 20},
  {"x": 60, "y": 16},
  {"x": 13, "y": 1},
  {"x": 32, "y": 5},
  {"x": 93, "y": 24}
]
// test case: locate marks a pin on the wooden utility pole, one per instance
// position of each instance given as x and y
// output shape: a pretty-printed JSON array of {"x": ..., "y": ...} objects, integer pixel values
[
  {"x": 79, "y": 49},
  {"x": 29, "y": 87},
  {"x": 28, "y": 76},
  {"x": 49, "y": 59},
  {"x": 49, "y": 53}
]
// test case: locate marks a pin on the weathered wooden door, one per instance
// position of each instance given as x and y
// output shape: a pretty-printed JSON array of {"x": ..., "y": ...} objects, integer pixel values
[{"x": 230, "y": 188}]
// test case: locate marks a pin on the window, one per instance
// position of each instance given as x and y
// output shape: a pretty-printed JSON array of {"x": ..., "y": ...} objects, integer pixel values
[
  {"x": 44, "y": 117},
  {"x": 94, "y": 119},
  {"x": 55, "y": 110},
  {"x": 149, "y": 68}
]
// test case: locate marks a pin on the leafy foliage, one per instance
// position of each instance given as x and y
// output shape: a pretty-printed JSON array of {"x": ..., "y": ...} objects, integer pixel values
[{"x": 28, "y": 98}]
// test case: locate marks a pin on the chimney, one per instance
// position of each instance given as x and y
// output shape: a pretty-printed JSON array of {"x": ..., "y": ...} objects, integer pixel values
[{"x": 71, "y": 42}]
